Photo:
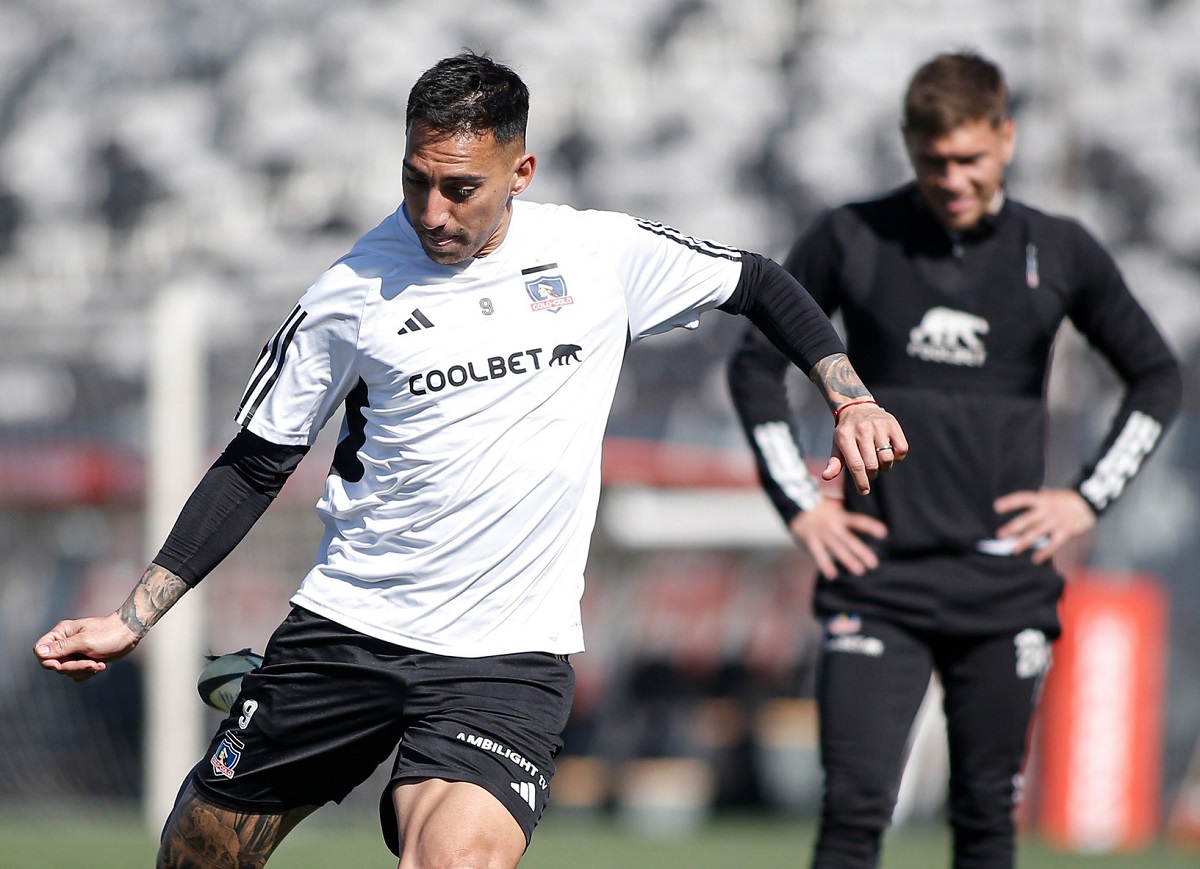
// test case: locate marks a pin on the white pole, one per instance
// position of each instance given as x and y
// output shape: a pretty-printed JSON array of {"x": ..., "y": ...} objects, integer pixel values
[{"x": 174, "y": 649}]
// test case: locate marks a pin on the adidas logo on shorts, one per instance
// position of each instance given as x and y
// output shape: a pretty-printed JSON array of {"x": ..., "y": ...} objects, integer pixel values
[{"x": 528, "y": 793}]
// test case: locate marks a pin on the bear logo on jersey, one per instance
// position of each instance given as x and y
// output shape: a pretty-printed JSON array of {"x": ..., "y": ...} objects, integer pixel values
[
  {"x": 565, "y": 354},
  {"x": 949, "y": 336},
  {"x": 549, "y": 293}
]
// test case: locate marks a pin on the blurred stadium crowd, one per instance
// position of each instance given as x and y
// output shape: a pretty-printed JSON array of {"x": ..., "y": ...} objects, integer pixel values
[{"x": 237, "y": 148}]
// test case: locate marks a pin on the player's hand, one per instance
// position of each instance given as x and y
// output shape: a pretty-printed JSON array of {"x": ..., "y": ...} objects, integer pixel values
[
  {"x": 81, "y": 648},
  {"x": 866, "y": 440},
  {"x": 1046, "y": 520},
  {"x": 831, "y": 534}
]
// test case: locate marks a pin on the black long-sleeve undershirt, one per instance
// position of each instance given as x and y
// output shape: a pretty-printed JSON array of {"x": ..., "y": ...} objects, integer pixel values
[
  {"x": 226, "y": 503},
  {"x": 783, "y": 311}
]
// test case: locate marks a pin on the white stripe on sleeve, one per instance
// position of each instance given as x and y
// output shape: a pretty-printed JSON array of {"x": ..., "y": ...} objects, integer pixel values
[
  {"x": 786, "y": 465},
  {"x": 1122, "y": 461}
]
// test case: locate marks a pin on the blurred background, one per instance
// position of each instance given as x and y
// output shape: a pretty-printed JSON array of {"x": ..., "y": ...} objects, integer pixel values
[{"x": 227, "y": 152}]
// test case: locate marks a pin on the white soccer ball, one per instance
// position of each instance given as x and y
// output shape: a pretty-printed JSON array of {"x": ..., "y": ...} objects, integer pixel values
[{"x": 221, "y": 680}]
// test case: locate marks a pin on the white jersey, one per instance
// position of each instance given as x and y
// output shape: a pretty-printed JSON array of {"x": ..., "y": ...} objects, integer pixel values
[{"x": 464, "y": 487}]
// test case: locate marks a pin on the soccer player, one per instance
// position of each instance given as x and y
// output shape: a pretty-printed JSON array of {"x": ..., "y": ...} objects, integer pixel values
[
  {"x": 951, "y": 295},
  {"x": 474, "y": 342}
]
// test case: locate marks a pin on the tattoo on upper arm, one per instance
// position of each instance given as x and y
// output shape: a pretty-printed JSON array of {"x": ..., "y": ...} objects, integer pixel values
[
  {"x": 155, "y": 593},
  {"x": 837, "y": 379}
]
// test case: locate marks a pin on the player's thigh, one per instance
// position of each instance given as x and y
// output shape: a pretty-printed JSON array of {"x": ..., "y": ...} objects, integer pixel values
[
  {"x": 991, "y": 687},
  {"x": 200, "y": 834},
  {"x": 873, "y": 676},
  {"x": 438, "y": 818},
  {"x": 494, "y": 722}
]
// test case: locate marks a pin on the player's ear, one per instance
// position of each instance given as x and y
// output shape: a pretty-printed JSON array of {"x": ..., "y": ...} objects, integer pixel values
[
  {"x": 523, "y": 175},
  {"x": 1008, "y": 139}
]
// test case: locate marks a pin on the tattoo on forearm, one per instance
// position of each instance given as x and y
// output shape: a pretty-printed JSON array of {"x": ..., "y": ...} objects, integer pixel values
[
  {"x": 837, "y": 380},
  {"x": 156, "y": 592}
]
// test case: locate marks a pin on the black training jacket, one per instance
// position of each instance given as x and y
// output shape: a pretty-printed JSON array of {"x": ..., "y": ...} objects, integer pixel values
[{"x": 953, "y": 335}]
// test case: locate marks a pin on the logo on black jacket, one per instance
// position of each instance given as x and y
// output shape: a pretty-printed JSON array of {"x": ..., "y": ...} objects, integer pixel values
[{"x": 950, "y": 337}]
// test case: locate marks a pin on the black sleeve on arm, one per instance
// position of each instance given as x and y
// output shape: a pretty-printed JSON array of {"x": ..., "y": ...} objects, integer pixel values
[
  {"x": 758, "y": 386},
  {"x": 1116, "y": 325},
  {"x": 223, "y": 508},
  {"x": 783, "y": 311}
]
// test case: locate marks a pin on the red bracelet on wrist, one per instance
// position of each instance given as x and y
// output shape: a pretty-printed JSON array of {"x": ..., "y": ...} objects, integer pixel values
[{"x": 839, "y": 410}]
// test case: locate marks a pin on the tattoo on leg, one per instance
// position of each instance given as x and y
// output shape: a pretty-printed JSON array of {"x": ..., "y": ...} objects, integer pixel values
[{"x": 200, "y": 835}]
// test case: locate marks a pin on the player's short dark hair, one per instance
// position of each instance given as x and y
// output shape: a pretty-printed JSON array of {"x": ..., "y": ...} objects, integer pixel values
[
  {"x": 954, "y": 89},
  {"x": 470, "y": 93}
]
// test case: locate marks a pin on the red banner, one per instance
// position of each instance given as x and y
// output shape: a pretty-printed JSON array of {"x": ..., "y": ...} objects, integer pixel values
[{"x": 1101, "y": 719}]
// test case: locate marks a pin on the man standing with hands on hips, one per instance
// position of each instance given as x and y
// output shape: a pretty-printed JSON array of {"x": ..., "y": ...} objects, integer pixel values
[{"x": 951, "y": 295}]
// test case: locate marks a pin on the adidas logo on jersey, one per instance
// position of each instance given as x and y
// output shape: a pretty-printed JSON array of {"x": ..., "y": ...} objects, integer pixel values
[
  {"x": 527, "y": 791},
  {"x": 415, "y": 323}
]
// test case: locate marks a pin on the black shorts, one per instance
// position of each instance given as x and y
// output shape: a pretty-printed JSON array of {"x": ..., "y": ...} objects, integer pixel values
[{"x": 328, "y": 705}]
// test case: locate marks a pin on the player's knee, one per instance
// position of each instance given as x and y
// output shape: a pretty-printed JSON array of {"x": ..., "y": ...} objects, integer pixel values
[
  {"x": 491, "y": 851},
  {"x": 984, "y": 806},
  {"x": 176, "y": 851},
  {"x": 195, "y": 850},
  {"x": 858, "y": 804},
  {"x": 465, "y": 860}
]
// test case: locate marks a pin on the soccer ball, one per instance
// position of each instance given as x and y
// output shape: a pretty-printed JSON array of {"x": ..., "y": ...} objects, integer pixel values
[{"x": 221, "y": 679}]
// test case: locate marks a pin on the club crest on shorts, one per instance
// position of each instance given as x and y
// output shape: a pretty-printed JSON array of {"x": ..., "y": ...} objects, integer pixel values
[
  {"x": 549, "y": 293},
  {"x": 225, "y": 758}
]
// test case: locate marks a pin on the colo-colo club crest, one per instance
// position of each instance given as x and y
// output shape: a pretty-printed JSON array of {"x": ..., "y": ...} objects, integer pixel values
[
  {"x": 549, "y": 293},
  {"x": 225, "y": 759}
]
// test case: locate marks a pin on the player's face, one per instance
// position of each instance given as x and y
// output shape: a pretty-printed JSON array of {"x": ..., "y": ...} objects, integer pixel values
[
  {"x": 960, "y": 173},
  {"x": 458, "y": 191}
]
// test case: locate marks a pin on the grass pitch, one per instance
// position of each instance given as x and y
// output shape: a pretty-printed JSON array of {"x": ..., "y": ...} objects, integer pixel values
[{"x": 69, "y": 840}]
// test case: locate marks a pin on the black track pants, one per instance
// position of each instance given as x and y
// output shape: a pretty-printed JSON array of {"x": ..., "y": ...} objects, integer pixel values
[{"x": 873, "y": 678}]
